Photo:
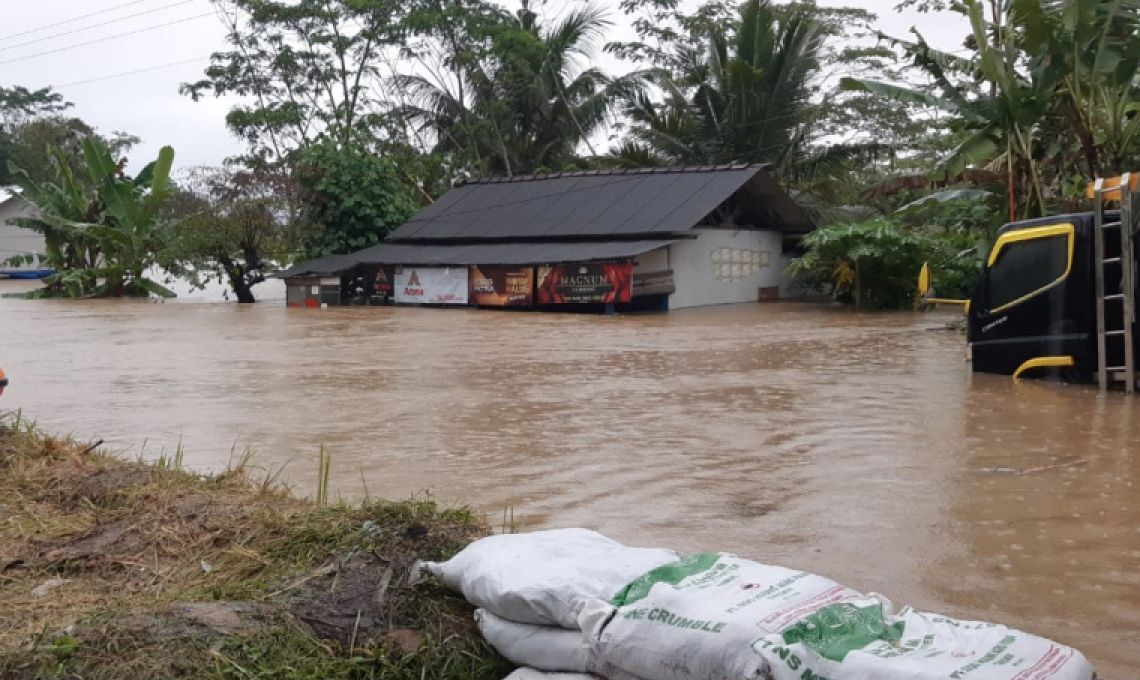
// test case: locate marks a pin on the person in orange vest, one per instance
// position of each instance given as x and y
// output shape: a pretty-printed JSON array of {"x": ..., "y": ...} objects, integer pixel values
[{"x": 3, "y": 381}]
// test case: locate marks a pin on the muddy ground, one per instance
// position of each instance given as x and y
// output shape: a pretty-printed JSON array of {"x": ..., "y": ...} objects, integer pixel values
[{"x": 112, "y": 569}]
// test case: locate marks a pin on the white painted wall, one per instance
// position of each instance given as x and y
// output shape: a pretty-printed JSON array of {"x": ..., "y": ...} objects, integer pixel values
[
  {"x": 653, "y": 261},
  {"x": 17, "y": 240},
  {"x": 785, "y": 280},
  {"x": 718, "y": 266}
]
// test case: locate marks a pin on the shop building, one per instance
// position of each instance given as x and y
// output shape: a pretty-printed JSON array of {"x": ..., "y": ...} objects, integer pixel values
[{"x": 659, "y": 238}]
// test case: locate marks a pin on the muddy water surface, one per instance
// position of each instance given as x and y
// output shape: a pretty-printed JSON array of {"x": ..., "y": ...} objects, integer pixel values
[{"x": 858, "y": 447}]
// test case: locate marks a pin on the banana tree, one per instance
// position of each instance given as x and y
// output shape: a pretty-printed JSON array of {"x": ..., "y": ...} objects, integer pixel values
[
  {"x": 1003, "y": 121},
  {"x": 1058, "y": 96},
  {"x": 1096, "y": 45},
  {"x": 132, "y": 230},
  {"x": 61, "y": 203},
  {"x": 102, "y": 235}
]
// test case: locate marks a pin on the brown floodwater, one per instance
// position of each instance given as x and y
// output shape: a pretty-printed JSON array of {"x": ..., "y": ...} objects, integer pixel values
[{"x": 859, "y": 447}]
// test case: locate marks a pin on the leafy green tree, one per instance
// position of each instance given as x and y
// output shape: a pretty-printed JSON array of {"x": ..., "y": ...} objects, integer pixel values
[
  {"x": 305, "y": 70},
  {"x": 131, "y": 229},
  {"x": 36, "y": 145},
  {"x": 232, "y": 226},
  {"x": 32, "y": 122},
  {"x": 352, "y": 198},
  {"x": 18, "y": 106},
  {"x": 312, "y": 77}
]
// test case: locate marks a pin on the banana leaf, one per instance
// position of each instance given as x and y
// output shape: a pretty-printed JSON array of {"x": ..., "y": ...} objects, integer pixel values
[{"x": 960, "y": 194}]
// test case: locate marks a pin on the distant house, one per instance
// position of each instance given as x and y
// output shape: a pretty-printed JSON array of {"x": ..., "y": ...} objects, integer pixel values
[
  {"x": 14, "y": 240},
  {"x": 659, "y": 238}
]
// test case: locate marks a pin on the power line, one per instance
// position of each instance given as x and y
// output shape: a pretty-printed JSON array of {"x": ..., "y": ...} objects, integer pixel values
[
  {"x": 87, "y": 28},
  {"x": 72, "y": 20},
  {"x": 102, "y": 40},
  {"x": 125, "y": 73},
  {"x": 131, "y": 73}
]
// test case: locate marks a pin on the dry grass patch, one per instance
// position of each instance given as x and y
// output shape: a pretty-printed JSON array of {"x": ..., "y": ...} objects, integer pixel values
[{"x": 114, "y": 569}]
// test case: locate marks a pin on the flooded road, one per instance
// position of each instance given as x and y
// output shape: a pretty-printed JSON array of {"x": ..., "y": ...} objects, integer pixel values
[{"x": 857, "y": 447}]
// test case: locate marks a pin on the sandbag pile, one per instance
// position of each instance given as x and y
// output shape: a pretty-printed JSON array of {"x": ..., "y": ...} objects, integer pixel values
[
  {"x": 573, "y": 601},
  {"x": 530, "y": 589}
]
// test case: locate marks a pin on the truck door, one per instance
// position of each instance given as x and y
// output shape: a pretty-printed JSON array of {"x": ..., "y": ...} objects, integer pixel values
[{"x": 1022, "y": 310}]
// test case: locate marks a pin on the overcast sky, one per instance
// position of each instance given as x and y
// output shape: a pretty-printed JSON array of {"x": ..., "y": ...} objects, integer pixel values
[{"x": 169, "y": 41}]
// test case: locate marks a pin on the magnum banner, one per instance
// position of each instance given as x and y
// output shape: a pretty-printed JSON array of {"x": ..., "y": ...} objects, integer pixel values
[
  {"x": 502, "y": 286},
  {"x": 579, "y": 283}
]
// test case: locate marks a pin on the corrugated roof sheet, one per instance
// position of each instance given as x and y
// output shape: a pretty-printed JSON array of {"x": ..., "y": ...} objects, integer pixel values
[
  {"x": 529, "y": 253},
  {"x": 596, "y": 204}
]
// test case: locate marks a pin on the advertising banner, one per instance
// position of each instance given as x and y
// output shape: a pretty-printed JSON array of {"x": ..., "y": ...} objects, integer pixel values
[
  {"x": 583, "y": 283},
  {"x": 431, "y": 285},
  {"x": 382, "y": 285},
  {"x": 502, "y": 286},
  {"x": 382, "y": 288}
]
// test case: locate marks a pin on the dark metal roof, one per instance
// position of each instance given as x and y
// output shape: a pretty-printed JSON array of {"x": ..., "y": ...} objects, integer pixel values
[
  {"x": 330, "y": 264},
  {"x": 604, "y": 204},
  {"x": 577, "y": 217},
  {"x": 530, "y": 253}
]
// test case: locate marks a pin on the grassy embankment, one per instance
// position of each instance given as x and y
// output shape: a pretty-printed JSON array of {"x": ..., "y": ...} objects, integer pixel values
[{"x": 116, "y": 569}]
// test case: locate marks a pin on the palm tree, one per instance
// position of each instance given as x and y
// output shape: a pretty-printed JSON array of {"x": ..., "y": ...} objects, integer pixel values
[
  {"x": 746, "y": 95},
  {"x": 752, "y": 103},
  {"x": 524, "y": 106}
]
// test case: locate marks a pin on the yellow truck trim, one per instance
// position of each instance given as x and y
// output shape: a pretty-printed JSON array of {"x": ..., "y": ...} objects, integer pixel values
[{"x": 1043, "y": 362}]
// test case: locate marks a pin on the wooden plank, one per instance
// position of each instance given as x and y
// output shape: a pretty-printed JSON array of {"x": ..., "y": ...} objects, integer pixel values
[
  {"x": 654, "y": 283},
  {"x": 1109, "y": 188},
  {"x": 641, "y": 276}
]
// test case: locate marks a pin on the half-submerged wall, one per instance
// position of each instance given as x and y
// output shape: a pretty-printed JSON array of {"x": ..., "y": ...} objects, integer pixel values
[{"x": 723, "y": 266}]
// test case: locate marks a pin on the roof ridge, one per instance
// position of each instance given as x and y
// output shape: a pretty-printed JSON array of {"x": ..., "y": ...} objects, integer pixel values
[{"x": 612, "y": 172}]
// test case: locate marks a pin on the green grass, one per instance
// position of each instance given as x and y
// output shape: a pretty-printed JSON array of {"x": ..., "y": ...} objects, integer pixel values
[{"x": 118, "y": 616}]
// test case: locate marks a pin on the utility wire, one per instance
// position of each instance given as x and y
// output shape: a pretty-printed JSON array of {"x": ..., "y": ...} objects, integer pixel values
[
  {"x": 131, "y": 73},
  {"x": 87, "y": 28},
  {"x": 72, "y": 20},
  {"x": 102, "y": 40}
]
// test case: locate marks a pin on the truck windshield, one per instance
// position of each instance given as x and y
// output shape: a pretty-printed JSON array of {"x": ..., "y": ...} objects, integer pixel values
[{"x": 1024, "y": 268}]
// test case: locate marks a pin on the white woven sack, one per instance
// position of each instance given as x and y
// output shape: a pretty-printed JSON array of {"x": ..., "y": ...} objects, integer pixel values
[{"x": 543, "y": 577}]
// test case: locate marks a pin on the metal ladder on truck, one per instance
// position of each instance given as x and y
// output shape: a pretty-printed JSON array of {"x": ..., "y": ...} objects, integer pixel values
[{"x": 1116, "y": 279}]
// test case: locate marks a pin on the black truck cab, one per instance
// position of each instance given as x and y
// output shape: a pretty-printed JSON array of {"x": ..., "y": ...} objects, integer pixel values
[{"x": 1035, "y": 306}]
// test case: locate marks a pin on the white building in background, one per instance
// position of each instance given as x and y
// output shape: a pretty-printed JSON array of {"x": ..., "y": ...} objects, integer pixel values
[{"x": 15, "y": 240}]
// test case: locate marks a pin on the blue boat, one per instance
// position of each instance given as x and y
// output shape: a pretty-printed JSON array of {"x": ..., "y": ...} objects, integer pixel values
[{"x": 27, "y": 273}]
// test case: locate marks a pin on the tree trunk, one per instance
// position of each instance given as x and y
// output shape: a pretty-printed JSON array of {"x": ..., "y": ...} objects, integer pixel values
[
  {"x": 236, "y": 273},
  {"x": 242, "y": 289}
]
